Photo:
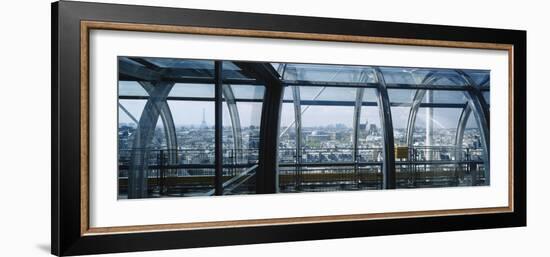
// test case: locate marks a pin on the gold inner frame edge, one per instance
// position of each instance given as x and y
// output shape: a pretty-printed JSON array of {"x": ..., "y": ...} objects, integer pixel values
[{"x": 86, "y": 26}]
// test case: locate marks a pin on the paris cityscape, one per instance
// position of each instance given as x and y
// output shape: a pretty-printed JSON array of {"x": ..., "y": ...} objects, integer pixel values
[{"x": 191, "y": 134}]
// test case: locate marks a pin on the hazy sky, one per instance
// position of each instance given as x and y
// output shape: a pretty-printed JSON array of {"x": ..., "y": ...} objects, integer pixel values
[{"x": 191, "y": 112}]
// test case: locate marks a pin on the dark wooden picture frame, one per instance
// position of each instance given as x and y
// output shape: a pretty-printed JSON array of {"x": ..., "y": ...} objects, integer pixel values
[{"x": 71, "y": 23}]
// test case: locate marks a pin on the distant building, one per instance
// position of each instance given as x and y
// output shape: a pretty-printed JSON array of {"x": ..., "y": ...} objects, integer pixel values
[
  {"x": 203, "y": 123},
  {"x": 373, "y": 129},
  {"x": 317, "y": 136}
]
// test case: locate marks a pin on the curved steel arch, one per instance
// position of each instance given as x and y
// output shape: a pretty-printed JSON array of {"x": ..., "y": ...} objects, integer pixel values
[
  {"x": 298, "y": 122},
  {"x": 481, "y": 113},
  {"x": 429, "y": 79},
  {"x": 137, "y": 175},
  {"x": 475, "y": 103},
  {"x": 229, "y": 97},
  {"x": 389, "y": 178},
  {"x": 168, "y": 123},
  {"x": 360, "y": 92},
  {"x": 461, "y": 126}
]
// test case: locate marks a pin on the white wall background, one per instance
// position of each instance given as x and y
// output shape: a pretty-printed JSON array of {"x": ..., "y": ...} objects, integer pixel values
[{"x": 25, "y": 127}]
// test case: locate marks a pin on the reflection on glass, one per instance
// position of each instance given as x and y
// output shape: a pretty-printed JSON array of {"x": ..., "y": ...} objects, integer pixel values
[
  {"x": 439, "y": 136},
  {"x": 320, "y": 126},
  {"x": 242, "y": 110},
  {"x": 329, "y": 73}
]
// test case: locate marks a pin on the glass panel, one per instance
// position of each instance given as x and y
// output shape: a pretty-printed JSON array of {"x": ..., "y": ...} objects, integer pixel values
[
  {"x": 448, "y": 78},
  {"x": 243, "y": 92},
  {"x": 418, "y": 76},
  {"x": 370, "y": 143},
  {"x": 131, "y": 88},
  {"x": 327, "y": 132},
  {"x": 327, "y": 139},
  {"x": 134, "y": 109},
  {"x": 287, "y": 130},
  {"x": 397, "y": 75},
  {"x": 232, "y": 71},
  {"x": 287, "y": 94},
  {"x": 184, "y": 68},
  {"x": 331, "y": 136},
  {"x": 370, "y": 95},
  {"x": 329, "y": 73},
  {"x": 194, "y": 123},
  {"x": 400, "y": 117},
  {"x": 472, "y": 155},
  {"x": 446, "y": 97},
  {"x": 176, "y": 154},
  {"x": 487, "y": 96},
  {"x": 182, "y": 63},
  {"x": 433, "y": 158},
  {"x": 435, "y": 127},
  {"x": 327, "y": 94},
  {"x": 480, "y": 77},
  {"x": 401, "y": 96},
  {"x": 405, "y": 97},
  {"x": 192, "y": 90},
  {"x": 241, "y": 137}
]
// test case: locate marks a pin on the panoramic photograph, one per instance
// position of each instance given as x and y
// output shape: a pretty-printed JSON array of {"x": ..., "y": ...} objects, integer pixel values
[{"x": 189, "y": 127}]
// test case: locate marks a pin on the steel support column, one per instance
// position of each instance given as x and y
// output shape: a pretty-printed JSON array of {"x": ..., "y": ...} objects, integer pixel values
[
  {"x": 137, "y": 175},
  {"x": 267, "y": 176},
  {"x": 389, "y": 181},
  {"x": 413, "y": 112},
  {"x": 168, "y": 125},
  {"x": 218, "y": 112},
  {"x": 298, "y": 125},
  {"x": 481, "y": 113},
  {"x": 235, "y": 121},
  {"x": 357, "y": 122},
  {"x": 461, "y": 127}
]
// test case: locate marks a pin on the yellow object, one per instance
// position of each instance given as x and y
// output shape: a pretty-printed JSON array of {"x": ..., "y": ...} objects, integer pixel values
[{"x": 401, "y": 152}]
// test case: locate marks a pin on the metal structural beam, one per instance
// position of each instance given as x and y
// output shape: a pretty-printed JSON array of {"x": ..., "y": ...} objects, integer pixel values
[
  {"x": 461, "y": 127},
  {"x": 218, "y": 112},
  {"x": 475, "y": 103},
  {"x": 305, "y": 83},
  {"x": 131, "y": 71},
  {"x": 413, "y": 112},
  {"x": 481, "y": 113},
  {"x": 229, "y": 98},
  {"x": 298, "y": 125},
  {"x": 267, "y": 177},
  {"x": 302, "y": 102},
  {"x": 357, "y": 121},
  {"x": 359, "y": 94},
  {"x": 168, "y": 124},
  {"x": 137, "y": 176},
  {"x": 389, "y": 179}
]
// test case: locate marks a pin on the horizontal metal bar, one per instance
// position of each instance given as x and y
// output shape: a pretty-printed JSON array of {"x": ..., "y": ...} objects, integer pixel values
[
  {"x": 329, "y": 164},
  {"x": 352, "y": 103},
  {"x": 188, "y": 80},
  {"x": 429, "y": 87},
  {"x": 437, "y": 162},
  {"x": 183, "y": 98},
  {"x": 328, "y": 84},
  {"x": 188, "y": 166}
]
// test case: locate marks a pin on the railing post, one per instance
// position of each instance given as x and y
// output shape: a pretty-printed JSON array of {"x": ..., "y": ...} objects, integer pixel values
[{"x": 161, "y": 172}]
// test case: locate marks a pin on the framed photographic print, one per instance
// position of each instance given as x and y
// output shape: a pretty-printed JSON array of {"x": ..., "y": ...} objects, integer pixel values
[{"x": 178, "y": 128}]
